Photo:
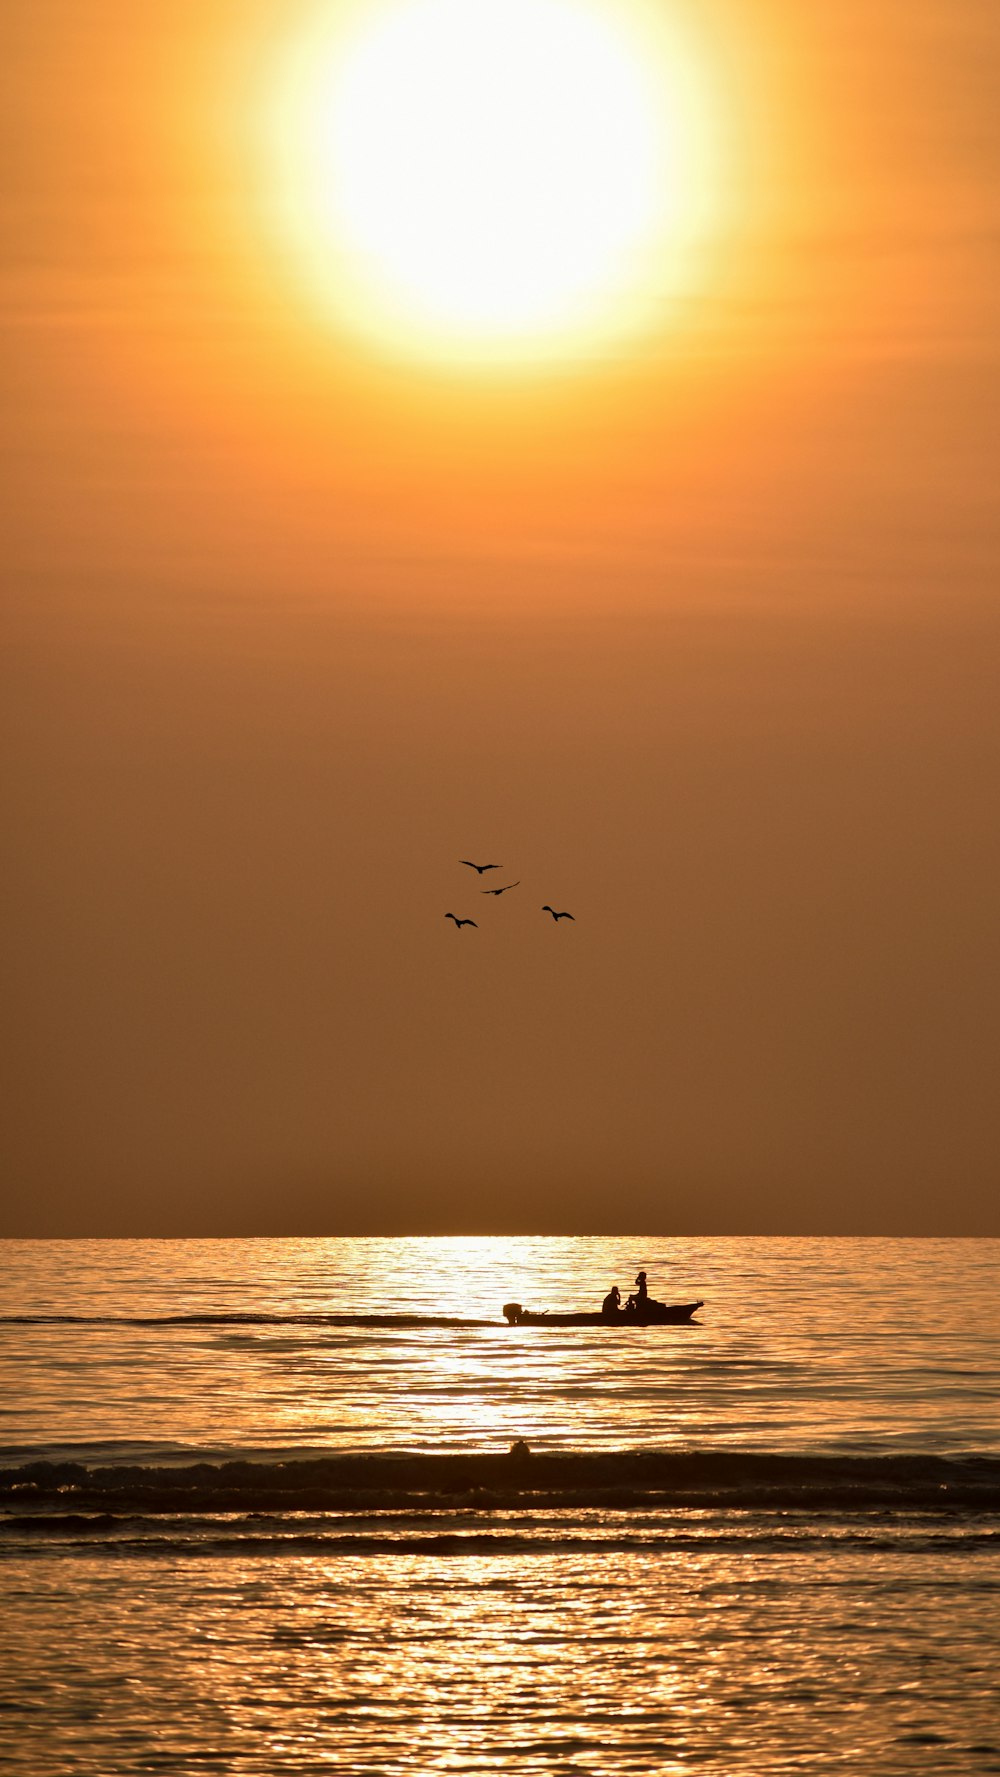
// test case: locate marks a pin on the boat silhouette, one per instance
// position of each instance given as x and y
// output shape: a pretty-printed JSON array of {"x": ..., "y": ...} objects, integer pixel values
[{"x": 654, "y": 1314}]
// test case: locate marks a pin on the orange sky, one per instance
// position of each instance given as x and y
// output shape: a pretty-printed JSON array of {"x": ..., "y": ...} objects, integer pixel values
[{"x": 698, "y": 637}]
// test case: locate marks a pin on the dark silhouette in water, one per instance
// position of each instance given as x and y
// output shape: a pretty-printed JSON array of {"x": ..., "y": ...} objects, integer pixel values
[
  {"x": 459, "y": 923},
  {"x": 501, "y": 891},
  {"x": 480, "y": 867},
  {"x": 556, "y": 916},
  {"x": 611, "y": 1306}
]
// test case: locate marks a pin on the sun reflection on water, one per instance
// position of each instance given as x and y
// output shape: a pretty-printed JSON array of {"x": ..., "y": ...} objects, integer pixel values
[
  {"x": 804, "y": 1345},
  {"x": 731, "y": 1658}
]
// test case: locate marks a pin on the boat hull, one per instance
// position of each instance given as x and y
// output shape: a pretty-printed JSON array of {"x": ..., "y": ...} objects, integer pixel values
[{"x": 663, "y": 1314}]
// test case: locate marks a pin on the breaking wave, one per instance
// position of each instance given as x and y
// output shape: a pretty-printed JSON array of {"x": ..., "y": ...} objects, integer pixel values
[{"x": 519, "y": 1481}]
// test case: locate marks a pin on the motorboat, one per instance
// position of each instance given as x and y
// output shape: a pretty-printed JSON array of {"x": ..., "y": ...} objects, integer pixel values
[{"x": 651, "y": 1314}]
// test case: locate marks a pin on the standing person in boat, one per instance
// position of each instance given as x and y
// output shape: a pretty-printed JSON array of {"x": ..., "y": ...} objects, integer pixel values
[
  {"x": 640, "y": 1302},
  {"x": 611, "y": 1306}
]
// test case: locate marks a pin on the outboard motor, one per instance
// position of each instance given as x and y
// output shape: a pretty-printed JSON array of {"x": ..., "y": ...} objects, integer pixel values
[{"x": 512, "y": 1313}]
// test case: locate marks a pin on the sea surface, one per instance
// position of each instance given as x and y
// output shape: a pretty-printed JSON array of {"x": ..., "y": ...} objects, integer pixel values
[{"x": 311, "y": 1505}]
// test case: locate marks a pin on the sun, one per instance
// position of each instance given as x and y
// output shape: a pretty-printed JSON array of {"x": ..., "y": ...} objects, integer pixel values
[{"x": 492, "y": 180}]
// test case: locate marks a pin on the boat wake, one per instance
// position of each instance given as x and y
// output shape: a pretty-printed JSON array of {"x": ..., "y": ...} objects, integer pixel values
[{"x": 406, "y": 1322}]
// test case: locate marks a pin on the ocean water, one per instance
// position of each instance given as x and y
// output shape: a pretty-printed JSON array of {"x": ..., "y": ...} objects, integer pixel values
[{"x": 260, "y": 1510}]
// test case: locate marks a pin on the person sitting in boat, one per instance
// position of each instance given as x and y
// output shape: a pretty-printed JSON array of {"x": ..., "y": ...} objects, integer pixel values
[{"x": 611, "y": 1306}]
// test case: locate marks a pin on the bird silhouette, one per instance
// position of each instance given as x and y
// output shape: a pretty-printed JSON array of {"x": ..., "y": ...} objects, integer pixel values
[
  {"x": 501, "y": 891},
  {"x": 459, "y": 923},
  {"x": 557, "y": 916},
  {"x": 480, "y": 867}
]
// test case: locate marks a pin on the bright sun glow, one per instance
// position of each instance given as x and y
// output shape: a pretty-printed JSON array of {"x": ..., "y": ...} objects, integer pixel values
[{"x": 501, "y": 180}]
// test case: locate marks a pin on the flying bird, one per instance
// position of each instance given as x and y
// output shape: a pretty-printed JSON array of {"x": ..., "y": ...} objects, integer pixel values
[
  {"x": 480, "y": 867},
  {"x": 501, "y": 891},
  {"x": 459, "y": 923},
  {"x": 557, "y": 916}
]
